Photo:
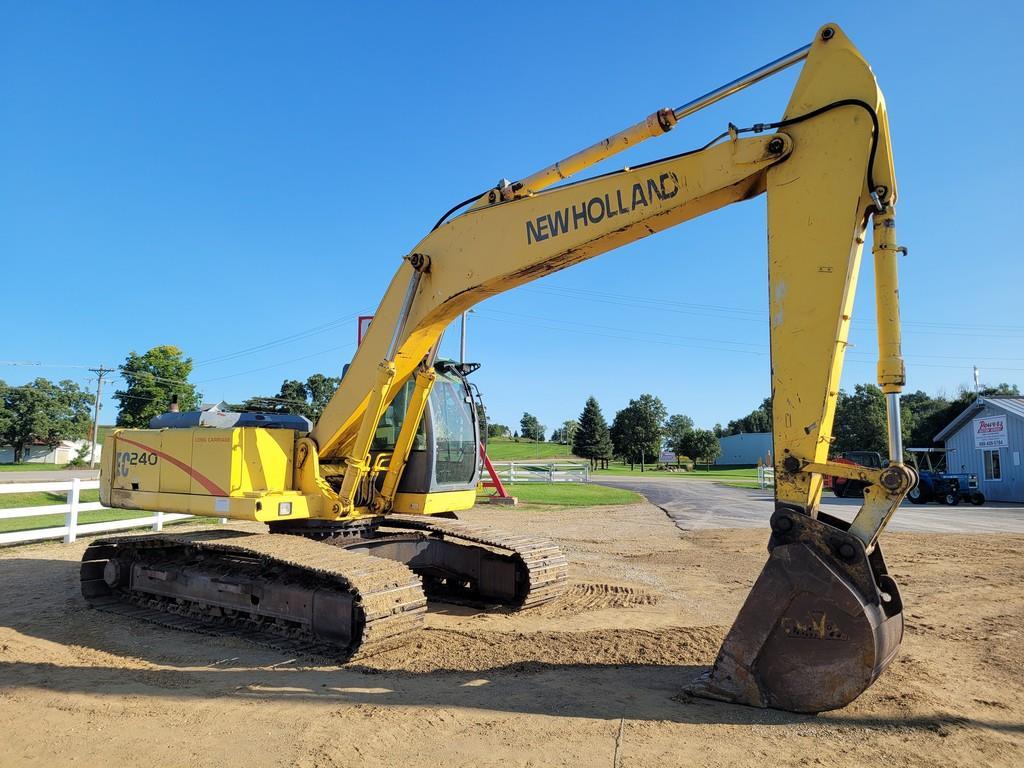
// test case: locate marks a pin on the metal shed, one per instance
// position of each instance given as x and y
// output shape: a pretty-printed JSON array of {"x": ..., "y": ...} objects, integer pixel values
[
  {"x": 745, "y": 449},
  {"x": 988, "y": 439}
]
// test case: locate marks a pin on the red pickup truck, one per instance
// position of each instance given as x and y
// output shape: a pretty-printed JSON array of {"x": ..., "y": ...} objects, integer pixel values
[{"x": 842, "y": 486}]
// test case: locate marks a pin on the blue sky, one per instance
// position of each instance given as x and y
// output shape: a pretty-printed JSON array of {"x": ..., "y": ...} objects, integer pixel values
[{"x": 222, "y": 176}]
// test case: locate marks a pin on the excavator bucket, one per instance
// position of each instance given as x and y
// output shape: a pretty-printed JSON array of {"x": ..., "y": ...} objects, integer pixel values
[{"x": 823, "y": 620}]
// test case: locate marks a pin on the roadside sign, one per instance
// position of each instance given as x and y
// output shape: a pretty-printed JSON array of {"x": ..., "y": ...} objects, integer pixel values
[{"x": 990, "y": 432}]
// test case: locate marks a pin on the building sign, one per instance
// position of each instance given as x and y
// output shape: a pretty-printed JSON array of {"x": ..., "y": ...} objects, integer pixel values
[
  {"x": 990, "y": 432},
  {"x": 362, "y": 328}
]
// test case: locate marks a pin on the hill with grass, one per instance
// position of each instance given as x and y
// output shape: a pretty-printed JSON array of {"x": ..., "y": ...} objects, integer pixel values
[{"x": 510, "y": 449}]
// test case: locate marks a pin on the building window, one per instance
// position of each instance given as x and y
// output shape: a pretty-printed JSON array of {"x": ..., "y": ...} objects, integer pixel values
[{"x": 992, "y": 469}]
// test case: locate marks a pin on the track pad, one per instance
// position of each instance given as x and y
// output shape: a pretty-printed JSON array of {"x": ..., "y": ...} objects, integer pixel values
[{"x": 821, "y": 623}]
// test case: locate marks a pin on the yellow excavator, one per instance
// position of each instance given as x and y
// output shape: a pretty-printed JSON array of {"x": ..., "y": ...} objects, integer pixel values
[{"x": 361, "y": 507}]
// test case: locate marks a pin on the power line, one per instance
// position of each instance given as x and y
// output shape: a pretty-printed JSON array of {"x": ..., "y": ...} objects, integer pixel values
[
  {"x": 753, "y": 315},
  {"x": 609, "y": 328},
  {"x": 622, "y": 337},
  {"x": 330, "y": 325},
  {"x": 623, "y": 334},
  {"x": 746, "y": 310}
]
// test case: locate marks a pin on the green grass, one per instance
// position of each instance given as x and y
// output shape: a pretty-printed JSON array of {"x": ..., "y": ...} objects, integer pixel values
[
  {"x": 29, "y": 467},
  {"x": 742, "y": 484},
  {"x": 700, "y": 473},
  {"x": 46, "y": 498},
  {"x": 571, "y": 494},
  {"x": 506, "y": 449},
  {"x": 55, "y": 521},
  {"x": 42, "y": 498}
]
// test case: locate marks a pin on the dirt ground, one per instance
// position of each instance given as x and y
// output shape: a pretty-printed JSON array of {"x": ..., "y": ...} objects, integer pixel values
[{"x": 592, "y": 680}]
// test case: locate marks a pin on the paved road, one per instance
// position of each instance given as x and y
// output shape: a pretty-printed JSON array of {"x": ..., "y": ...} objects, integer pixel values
[
  {"x": 45, "y": 475},
  {"x": 695, "y": 504}
]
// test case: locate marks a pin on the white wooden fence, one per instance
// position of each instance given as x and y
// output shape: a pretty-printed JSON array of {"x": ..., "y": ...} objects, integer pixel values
[
  {"x": 542, "y": 472},
  {"x": 765, "y": 477},
  {"x": 74, "y": 506}
]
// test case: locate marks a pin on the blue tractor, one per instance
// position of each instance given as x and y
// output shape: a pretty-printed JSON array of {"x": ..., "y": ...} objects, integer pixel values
[{"x": 936, "y": 483}]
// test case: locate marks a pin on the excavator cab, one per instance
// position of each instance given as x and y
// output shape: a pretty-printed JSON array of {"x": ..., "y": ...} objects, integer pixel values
[{"x": 445, "y": 452}]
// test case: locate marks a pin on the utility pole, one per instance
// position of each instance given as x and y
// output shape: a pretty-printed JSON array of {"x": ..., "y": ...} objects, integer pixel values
[{"x": 100, "y": 373}]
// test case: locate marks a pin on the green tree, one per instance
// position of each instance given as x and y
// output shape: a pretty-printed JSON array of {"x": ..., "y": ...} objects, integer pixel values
[
  {"x": 592, "y": 440},
  {"x": 481, "y": 419},
  {"x": 531, "y": 428},
  {"x": 290, "y": 398},
  {"x": 651, "y": 413},
  {"x": 150, "y": 380},
  {"x": 498, "y": 430},
  {"x": 758, "y": 420},
  {"x": 860, "y": 422},
  {"x": 320, "y": 389},
  {"x": 624, "y": 435},
  {"x": 927, "y": 419},
  {"x": 565, "y": 433},
  {"x": 677, "y": 427},
  {"x": 923, "y": 416},
  {"x": 637, "y": 429},
  {"x": 293, "y": 398},
  {"x": 43, "y": 412},
  {"x": 702, "y": 445},
  {"x": 308, "y": 398}
]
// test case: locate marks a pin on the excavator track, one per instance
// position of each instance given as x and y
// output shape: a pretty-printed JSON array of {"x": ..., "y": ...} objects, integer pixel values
[
  {"x": 542, "y": 568},
  {"x": 284, "y": 592}
]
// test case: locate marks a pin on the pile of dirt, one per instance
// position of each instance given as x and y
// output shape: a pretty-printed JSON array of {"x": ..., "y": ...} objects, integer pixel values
[{"x": 455, "y": 650}]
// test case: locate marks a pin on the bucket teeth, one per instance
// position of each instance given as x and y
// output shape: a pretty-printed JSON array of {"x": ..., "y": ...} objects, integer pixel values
[{"x": 728, "y": 681}]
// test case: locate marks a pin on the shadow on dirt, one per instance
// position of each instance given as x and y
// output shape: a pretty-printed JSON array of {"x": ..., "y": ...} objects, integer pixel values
[{"x": 581, "y": 691}]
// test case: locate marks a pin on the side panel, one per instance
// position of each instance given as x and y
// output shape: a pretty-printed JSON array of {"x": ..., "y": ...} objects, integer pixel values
[
  {"x": 242, "y": 473},
  {"x": 176, "y": 443},
  {"x": 434, "y": 503},
  {"x": 267, "y": 459},
  {"x": 136, "y": 460},
  {"x": 107, "y": 469},
  {"x": 212, "y": 454},
  {"x": 201, "y": 461},
  {"x": 260, "y": 507}
]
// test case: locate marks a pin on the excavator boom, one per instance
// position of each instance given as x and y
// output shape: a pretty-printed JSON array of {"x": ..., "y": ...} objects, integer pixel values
[{"x": 824, "y": 618}]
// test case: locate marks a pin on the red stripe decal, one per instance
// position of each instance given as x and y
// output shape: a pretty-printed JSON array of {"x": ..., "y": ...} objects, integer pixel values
[{"x": 202, "y": 479}]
